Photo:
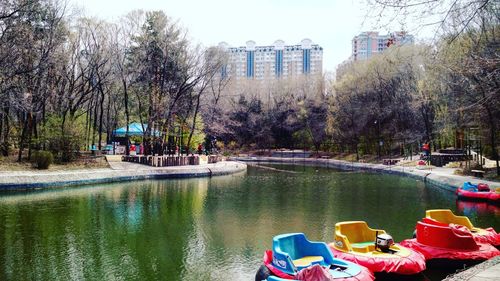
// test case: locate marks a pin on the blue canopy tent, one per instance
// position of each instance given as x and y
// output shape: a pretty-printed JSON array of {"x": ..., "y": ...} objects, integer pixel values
[{"x": 134, "y": 129}]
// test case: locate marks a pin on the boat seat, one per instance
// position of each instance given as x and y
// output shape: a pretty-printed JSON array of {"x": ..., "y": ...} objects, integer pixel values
[
  {"x": 362, "y": 244},
  {"x": 307, "y": 261},
  {"x": 446, "y": 216},
  {"x": 364, "y": 247}
]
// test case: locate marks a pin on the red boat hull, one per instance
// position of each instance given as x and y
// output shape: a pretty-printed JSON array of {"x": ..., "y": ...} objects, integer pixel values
[
  {"x": 490, "y": 196},
  {"x": 436, "y": 240},
  {"x": 413, "y": 264},
  {"x": 485, "y": 251},
  {"x": 365, "y": 274},
  {"x": 488, "y": 235}
]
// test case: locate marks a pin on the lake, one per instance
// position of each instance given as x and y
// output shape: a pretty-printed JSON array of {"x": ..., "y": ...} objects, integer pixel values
[{"x": 202, "y": 228}]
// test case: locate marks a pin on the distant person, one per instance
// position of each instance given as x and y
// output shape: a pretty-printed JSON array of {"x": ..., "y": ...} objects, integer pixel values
[
  {"x": 214, "y": 145},
  {"x": 200, "y": 148},
  {"x": 426, "y": 149},
  {"x": 132, "y": 149}
]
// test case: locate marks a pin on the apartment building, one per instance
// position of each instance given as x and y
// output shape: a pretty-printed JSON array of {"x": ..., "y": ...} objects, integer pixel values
[
  {"x": 273, "y": 61},
  {"x": 369, "y": 43}
]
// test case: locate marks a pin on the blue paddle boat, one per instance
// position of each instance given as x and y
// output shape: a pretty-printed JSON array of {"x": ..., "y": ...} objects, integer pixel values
[{"x": 293, "y": 254}]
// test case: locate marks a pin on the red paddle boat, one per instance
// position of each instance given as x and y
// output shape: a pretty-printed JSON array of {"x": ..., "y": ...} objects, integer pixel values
[
  {"x": 446, "y": 217},
  {"x": 448, "y": 245},
  {"x": 480, "y": 192}
]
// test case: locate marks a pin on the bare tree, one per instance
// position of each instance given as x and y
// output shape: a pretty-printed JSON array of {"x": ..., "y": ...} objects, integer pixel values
[{"x": 441, "y": 14}]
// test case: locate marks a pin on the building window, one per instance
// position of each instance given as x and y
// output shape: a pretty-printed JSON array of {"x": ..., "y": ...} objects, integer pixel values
[{"x": 250, "y": 63}]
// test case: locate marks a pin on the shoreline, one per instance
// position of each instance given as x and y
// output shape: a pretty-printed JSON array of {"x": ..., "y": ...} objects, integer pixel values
[
  {"x": 487, "y": 270},
  {"x": 15, "y": 180},
  {"x": 440, "y": 177},
  {"x": 27, "y": 180}
]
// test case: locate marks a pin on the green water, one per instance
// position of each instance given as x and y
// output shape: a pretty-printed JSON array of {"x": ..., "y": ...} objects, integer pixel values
[{"x": 200, "y": 229}]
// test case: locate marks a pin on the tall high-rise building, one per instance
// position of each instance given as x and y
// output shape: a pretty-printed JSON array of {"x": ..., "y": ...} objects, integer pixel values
[
  {"x": 271, "y": 62},
  {"x": 369, "y": 43}
]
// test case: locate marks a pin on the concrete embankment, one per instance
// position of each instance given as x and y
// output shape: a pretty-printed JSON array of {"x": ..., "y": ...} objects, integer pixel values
[
  {"x": 440, "y": 177},
  {"x": 22, "y": 180},
  {"x": 486, "y": 271}
]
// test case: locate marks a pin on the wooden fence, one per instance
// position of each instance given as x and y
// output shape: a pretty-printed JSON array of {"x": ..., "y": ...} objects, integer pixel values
[{"x": 166, "y": 161}]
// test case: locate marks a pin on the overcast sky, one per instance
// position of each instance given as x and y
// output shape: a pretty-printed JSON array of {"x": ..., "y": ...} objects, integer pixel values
[{"x": 329, "y": 23}]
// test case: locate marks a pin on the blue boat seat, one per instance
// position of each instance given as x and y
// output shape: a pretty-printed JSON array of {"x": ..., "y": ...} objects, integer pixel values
[{"x": 293, "y": 252}]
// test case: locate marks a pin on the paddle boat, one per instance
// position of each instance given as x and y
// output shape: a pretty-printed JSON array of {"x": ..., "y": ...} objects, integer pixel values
[
  {"x": 374, "y": 249},
  {"x": 481, "y": 192},
  {"x": 448, "y": 245},
  {"x": 446, "y": 217},
  {"x": 293, "y": 256}
]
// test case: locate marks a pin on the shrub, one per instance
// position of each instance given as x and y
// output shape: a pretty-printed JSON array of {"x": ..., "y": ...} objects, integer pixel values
[
  {"x": 42, "y": 159},
  {"x": 232, "y": 145},
  {"x": 220, "y": 145},
  {"x": 64, "y": 145}
]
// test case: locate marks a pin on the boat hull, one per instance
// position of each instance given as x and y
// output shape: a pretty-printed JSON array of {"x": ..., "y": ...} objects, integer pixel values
[
  {"x": 270, "y": 272},
  {"x": 434, "y": 254},
  {"x": 412, "y": 263},
  {"x": 482, "y": 235},
  {"x": 489, "y": 196}
]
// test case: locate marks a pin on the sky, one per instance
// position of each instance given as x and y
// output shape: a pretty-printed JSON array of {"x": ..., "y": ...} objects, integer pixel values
[{"x": 330, "y": 23}]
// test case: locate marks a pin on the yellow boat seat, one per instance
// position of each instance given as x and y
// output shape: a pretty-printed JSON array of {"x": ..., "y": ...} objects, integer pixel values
[
  {"x": 447, "y": 216},
  {"x": 355, "y": 236},
  {"x": 307, "y": 261}
]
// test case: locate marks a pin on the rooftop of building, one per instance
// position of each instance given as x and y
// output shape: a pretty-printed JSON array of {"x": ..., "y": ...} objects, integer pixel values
[
  {"x": 278, "y": 45},
  {"x": 388, "y": 35}
]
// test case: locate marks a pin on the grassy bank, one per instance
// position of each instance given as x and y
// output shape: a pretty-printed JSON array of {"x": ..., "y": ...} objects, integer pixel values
[{"x": 85, "y": 162}]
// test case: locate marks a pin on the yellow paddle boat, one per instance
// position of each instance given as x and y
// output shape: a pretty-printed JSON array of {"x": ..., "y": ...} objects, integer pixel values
[
  {"x": 374, "y": 249},
  {"x": 446, "y": 217}
]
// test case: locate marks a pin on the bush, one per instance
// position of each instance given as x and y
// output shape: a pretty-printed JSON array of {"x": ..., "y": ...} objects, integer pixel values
[
  {"x": 64, "y": 145},
  {"x": 232, "y": 145},
  {"x": 42, "y": 159}
]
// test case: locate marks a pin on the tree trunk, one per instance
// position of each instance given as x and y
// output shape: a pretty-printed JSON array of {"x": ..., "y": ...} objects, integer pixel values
[
  {"x": 196, "y": 109},
  {"x": 493, "y": 132},
  {"x": 5, "y": 132},
  {"x": 88, "y": 125},
  {"x": 94, "y": 127},
  {"x": 31, "y": 128},
  {"x": 127, "y": 116},
  {"x": 357, "y": 151},
  {"x": 22, "y": 140},
  {"x": 108, "y": 120},
  {"x": 63, "y": 123},
  {"x": 101, "y": 113},
  {"x": 1, "y": 126},
  {"x": 151, "y": 119}
]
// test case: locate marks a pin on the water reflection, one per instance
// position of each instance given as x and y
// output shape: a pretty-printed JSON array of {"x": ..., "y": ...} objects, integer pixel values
[
  {"x": 477, "y": 209},
  {"x": 199, "y": 229}
]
